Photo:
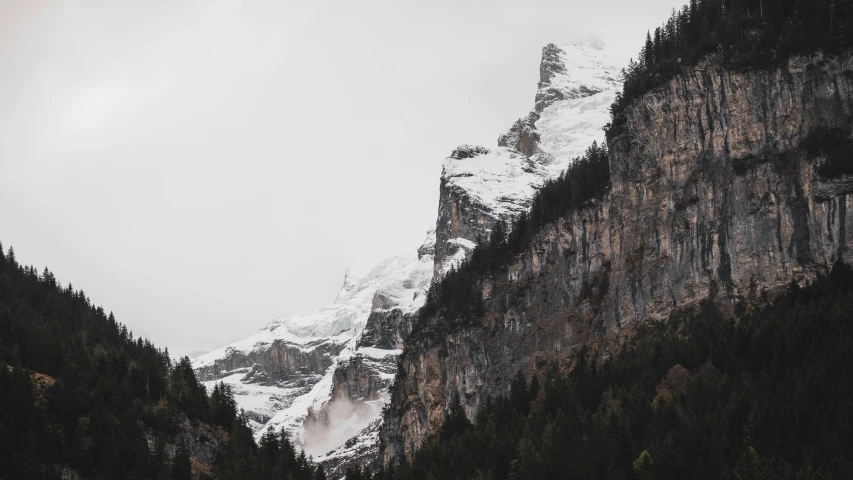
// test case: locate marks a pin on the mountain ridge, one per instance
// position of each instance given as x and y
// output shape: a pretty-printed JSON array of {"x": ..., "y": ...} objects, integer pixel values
[{"x": 479, "y": 187}]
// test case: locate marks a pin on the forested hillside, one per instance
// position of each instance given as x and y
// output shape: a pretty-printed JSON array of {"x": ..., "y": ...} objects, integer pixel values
[
  {"x": 741, "y": 34},
  {"x": 764, "y": 395},
  {"x": 80, "y": 395}
]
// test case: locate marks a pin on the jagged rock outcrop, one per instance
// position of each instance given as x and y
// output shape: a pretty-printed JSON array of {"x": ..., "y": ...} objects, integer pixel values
[
  {"x": 478, "y": 188},
  {"x": 346, "y": 427},
  {"x": 715, "y": 193},
  {"x": 552, "y": 70},
  {"x": 577, "y": 84},
  {"x": 522, "y": 136},
  {"x": 279, "y": 362},
  {"x": 387, "y": 329},
  {"x": 362, "y": 378}
]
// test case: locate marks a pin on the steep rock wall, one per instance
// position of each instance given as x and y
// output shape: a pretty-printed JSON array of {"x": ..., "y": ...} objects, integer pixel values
[
  {"x": 387, "y": 329},
  {"x": 459, "y": 216},
  {"x": 713, "y": 196},
  {"x": 278, "y": 362},
  {"x": 362, "y": 379}
]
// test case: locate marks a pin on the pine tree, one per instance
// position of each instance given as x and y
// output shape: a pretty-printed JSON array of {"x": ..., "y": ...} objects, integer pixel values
[
  {"x": 649, "y": 51},
  {"x": 354, "y": 473},
  {"x": 534, "y": 387},
  {"x": 223, "y": 406},
  {"x": 181, "y": 467},
  {"x": 102, "y": 402},
  {"x": 643, "y": 466},
  {"x": 320, "y": 473},
  {"x": 457, "y": 421},
  {"x": 518, "y": 394}
]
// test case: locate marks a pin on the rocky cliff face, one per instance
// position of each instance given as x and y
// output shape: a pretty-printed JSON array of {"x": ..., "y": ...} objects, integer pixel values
[
  {"x": 387, "y": 329},
  {"x": 279, "y": 362},
  {"x": 715, "y": 194},
  {"x": 480, "y": 186}
]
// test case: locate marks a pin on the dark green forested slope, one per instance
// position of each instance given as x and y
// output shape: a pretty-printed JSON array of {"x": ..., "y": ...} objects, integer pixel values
[
  {"x": 79, "y": 393},
  {"x": 767, "y": 395},
  {"x": 741, "y": 34}
]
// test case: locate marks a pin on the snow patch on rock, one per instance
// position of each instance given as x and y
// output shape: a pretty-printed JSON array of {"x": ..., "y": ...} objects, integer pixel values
[
  {"x": 501, "y": 180},
  {"x": 585, "y": 89}
]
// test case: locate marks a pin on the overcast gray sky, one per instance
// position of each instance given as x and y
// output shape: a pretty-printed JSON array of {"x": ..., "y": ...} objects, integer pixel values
[{"x": 202, "y": 167}]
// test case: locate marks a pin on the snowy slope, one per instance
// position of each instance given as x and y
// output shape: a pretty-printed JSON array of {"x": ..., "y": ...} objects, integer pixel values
[
  {"x": 284, "y": 400},
  {"x": 588, "y": 85},
  {"x": 499, "y": 179},
  {"x": 401, "y": 278}
]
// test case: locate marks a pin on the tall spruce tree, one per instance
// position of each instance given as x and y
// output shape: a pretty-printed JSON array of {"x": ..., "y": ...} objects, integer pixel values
[{"x": 181, "y": 466}]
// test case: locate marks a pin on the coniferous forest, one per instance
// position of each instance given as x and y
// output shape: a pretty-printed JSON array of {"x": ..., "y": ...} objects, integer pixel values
[
  {"x": 739, "y": 34},
  {"x": 78, "y": 393},
  {"x": 768, "y": 396}
]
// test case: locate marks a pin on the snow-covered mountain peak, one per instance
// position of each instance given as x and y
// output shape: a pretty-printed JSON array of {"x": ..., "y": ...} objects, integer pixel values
[
  {"x": 573, "y": 71},
  {"x": 397, "y": 280},
  {"x": 356, "y": 280},
  {"x": 482, "y": 185},
  {"x": 353, "y": 281},
  {"x": 577, "y": 84},
  {"x": 287, "y": 370}
]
